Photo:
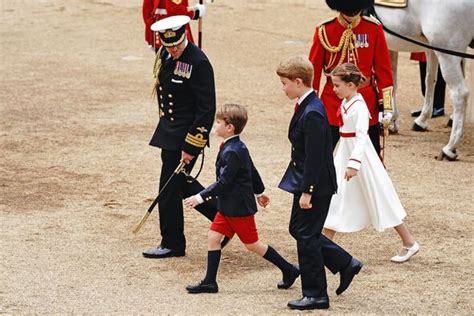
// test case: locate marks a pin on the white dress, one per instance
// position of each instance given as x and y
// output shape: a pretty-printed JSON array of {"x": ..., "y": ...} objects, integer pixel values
[{"x": 369, "y": 198}]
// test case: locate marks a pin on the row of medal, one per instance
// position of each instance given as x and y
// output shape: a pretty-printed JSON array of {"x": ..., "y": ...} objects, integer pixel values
[{"x": 183, "y": 69}]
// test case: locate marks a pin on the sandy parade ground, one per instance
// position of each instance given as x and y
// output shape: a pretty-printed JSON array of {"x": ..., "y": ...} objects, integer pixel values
[{"x": 77, "y": 174}]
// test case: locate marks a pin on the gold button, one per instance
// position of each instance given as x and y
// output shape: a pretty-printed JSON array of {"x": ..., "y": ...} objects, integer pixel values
[
  {"x": 172, "y": 119},
  {"x": 170, "y": 111},
  {"x": 294, "y": 163},
  {"x": 161, "y": 104},
  {"x": 171, "y": 103},
  {"x": 161, "y": 89},
  {"x": 161, "y": 97},
  {"x": 170, "y": 95}
]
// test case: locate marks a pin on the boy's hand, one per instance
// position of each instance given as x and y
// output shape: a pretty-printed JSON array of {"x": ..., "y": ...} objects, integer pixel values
[
  {"x": 350, "y": 172},
  {"x": 263, "y": 200},
  {"x": 305, "y": 201},
  {"x": 191, "y": 202}
]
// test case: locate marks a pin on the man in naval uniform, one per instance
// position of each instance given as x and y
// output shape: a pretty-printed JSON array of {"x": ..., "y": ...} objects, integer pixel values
[{"x": 187, "y": 103}]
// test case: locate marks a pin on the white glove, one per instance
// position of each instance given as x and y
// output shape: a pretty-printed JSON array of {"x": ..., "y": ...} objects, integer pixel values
[
  {"x": 387, "y": 117},
  {"x": 202, "y": 9}
]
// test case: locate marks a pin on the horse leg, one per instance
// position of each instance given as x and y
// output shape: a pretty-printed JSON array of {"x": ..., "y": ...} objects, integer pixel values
[
  {"x": 393, "y": 128},
  {"x": 420, "y": 124},
  {"x": 453, "y": 75}
]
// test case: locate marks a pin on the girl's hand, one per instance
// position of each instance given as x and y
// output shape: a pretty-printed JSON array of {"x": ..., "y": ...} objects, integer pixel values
[
  {"x": 350, "y": 172},
  {"x": 305, "y": 201},
  {"x": 263, "y": 200}
]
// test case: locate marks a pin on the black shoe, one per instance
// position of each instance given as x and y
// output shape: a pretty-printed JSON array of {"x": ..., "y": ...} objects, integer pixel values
[
  {"x": 348, "y": 274},
  {"x": 224, "y": 241},
  {"x": 309, "y": 303},
  {"x": 437, "y": 113},
  {"x": 162, "y": 252},
  {"x": 202, "y": 288},
  {"x": 289, "y": 278},
  {"x": 416, "y": 113}
]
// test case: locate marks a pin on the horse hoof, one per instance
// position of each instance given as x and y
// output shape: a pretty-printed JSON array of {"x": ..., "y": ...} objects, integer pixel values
[
  {"x": 448, "y": 155},
  {"x": 418, "y": 128},
  {"x": 393, "y": 128},
  {"x": 450, "y": 123}
]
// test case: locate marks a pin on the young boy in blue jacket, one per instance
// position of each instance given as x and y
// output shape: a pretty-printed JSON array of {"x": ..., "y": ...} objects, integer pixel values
[{"x": 237, "y": 185}]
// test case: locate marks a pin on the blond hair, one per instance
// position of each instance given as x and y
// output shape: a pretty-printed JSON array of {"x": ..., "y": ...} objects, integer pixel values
[
  {"x": 297, "y": 67},
  {"x": 349, "y": 73},
  {"x": 233, "y": 114}
]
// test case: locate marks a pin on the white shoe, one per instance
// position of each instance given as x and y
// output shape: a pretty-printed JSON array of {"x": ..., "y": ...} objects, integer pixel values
[{"x": 410, "y": 252}]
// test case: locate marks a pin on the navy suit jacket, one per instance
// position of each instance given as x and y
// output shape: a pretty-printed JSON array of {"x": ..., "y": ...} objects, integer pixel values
[
  {"x": 237, "y": 181},
  {"x": 311, "y": 169}
]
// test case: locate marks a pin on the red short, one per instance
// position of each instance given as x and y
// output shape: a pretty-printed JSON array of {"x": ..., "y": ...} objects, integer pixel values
[{"x": 243, "y": 226}]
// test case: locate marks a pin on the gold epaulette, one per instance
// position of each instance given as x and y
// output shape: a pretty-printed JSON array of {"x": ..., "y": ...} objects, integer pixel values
[
  {"x": 326, "y": 21},
  {"x": 371, "y": 19},
  {"x": 197, "y": 140}
]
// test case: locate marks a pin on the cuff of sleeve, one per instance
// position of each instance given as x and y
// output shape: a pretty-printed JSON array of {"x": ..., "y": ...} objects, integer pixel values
[
  {"x": 199, "y": 198},
  {"x": 354, "y": 164}
]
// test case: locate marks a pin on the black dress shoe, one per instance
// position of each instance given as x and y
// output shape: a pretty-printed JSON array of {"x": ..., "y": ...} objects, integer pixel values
[
  {"x": 437, "y": 113},
  {"x": 348, "y": 274},
  {"x": 202, "y": 288},
  {"x": 309, "y": 303},
  {"x": 416, "y": 113},
  {"x": 289, "y": 278},
  {"x": 162, "y": 252}
]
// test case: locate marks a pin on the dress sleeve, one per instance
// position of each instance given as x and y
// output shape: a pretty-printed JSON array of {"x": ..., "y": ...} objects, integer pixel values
[{"x": 361, "y": 117}]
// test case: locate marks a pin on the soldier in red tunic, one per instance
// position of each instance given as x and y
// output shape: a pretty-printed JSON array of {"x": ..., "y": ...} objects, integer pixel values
[
  {"x": 349, "y": 37},
  {"x": 155, "y": 10}
]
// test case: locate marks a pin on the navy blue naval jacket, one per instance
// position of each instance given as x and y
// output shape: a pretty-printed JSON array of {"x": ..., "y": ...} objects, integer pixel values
[
  {"x": 186, "y": 101},
  {"x": 311, "y": 169},
  {"x": 237, "y": 181}
]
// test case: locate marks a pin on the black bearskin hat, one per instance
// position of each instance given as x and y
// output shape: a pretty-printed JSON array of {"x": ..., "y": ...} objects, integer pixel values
[{"x": 349, "y": 5}]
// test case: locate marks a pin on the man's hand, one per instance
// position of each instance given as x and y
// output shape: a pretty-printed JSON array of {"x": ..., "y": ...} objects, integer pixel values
[
  {"x": 263, "y": 200},
  {"x": 350, "y": 172},
  {"x": 187, "y": 158},
  {"x": 305, "y": 201},
  {"x": 191, "y": 202}
]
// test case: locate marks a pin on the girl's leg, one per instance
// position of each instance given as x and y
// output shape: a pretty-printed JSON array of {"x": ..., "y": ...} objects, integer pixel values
[
  {"x": 410, "y": 246},
  {"x": 329, "y": 233},
  {"x": 405, "y": 235}
]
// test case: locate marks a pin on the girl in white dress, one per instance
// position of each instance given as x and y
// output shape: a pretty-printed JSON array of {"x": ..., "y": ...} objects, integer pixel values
[{"x": 365, "y": 194}]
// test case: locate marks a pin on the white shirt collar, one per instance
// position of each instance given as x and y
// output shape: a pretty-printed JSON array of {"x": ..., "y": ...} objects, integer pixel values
[{"x": 301, "y": 99}]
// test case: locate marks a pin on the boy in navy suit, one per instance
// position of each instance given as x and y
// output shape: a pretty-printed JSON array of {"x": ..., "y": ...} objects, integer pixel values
[
  {"x": 311, "y": 178},
  {"x": 237, "y": 185}
]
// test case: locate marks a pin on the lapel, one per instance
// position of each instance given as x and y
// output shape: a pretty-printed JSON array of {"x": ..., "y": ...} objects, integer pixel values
[
  {"x": 227, "y": 144},
  {"x": 301, "y": 108}
]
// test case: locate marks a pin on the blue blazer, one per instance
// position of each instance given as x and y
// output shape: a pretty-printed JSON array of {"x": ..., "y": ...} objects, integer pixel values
[
  {"x": 237, "y": 181},
  {"x": 311, "y": 168}
]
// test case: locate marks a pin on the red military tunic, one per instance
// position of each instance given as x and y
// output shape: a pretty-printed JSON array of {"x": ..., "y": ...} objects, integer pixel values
[
  {"x": 155, "y": 10},
  {"x": 366, "y": 48}
]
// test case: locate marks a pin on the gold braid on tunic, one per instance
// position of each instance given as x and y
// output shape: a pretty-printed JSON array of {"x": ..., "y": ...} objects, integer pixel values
[
  {"x": 156, "y": 73},
  {"x": 346, "y": 43}
]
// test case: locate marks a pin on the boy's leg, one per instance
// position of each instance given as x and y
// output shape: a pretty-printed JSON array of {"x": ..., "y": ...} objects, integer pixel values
[
  {"x": 209, "y": 284},
  {"x": 246, "y": 229}
]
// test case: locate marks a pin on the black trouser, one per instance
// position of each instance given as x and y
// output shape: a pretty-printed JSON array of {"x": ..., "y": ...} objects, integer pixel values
[
  {"x": 170, "y": 203},
  {"x": 315, "y": 250},
  {"x": 374, "y": 134},
  {"x": 440, "y": 87}
]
